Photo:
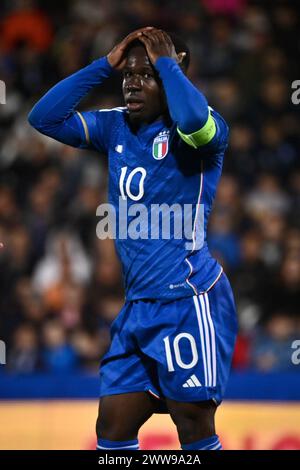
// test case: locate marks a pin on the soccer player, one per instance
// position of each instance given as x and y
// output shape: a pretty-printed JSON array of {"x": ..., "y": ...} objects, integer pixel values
[{"x": 173, "y": 340}]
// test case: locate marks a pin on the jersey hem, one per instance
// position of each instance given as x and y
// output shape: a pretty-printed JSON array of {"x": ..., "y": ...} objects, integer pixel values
[{"x": 189, "y": 292}]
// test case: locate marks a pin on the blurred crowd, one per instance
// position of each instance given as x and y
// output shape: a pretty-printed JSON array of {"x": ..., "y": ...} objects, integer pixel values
[{"x": 61, "y": 287}]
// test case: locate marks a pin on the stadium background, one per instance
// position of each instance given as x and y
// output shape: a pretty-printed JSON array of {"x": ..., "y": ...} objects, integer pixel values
[{"x": 60, "y": 287}]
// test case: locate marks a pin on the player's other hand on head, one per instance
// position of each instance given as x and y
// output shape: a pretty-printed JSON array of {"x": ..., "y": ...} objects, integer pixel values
[
  {"x": 159, "y": 44},
  {"x": 117, "y": 56}
]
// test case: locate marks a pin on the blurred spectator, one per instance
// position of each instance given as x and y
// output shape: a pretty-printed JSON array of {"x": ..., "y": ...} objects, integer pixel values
[
  {"x": 223, "y": 240},
  {"x": 58, "y": 354},
  {"x": 90, "y": 346},
  {"x": 225, "y": 6},
  {"x": 267, "y": 197},
  {"x": 284, "y": 290},
  {"x": 26, "y": 24},
  {"x": 64, "y": 261},
  {"x": 250, "y": 280},
  {"x": 271, "y": 350},
  {"x": 241, "y": 161},
  {"x": 24, "y": 356}
]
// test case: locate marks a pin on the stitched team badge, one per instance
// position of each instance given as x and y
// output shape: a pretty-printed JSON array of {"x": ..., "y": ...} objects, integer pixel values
[{"x": 160, "y": 146}]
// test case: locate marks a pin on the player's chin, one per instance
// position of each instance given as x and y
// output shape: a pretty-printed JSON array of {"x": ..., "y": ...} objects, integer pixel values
[{"x": 138, "y": 115}]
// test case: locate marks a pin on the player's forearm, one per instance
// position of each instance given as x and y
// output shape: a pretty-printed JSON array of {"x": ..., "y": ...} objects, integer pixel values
[
  {"x": 53, "y": 114},
  {"x": 187, "y": 106}
]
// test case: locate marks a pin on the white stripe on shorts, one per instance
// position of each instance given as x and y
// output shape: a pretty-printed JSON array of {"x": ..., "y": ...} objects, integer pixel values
[
  {"x": 202, "y": 340},
  {"x": 208, "y": 339},
  {"x": 213, "y": 342}
]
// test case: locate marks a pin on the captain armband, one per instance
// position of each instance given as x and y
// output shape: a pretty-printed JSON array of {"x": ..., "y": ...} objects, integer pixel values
[{"x": 201, "y": 137}]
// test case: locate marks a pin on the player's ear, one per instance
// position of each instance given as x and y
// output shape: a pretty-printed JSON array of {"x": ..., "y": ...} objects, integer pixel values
[
  {"x": 180, "y": 61},
  {"x": 181, "y": 56}
]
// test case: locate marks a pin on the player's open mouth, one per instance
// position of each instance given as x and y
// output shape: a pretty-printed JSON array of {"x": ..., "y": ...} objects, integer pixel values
[
  {"x": 134, "y": 107},
  {"x": 134, "y": 104}
]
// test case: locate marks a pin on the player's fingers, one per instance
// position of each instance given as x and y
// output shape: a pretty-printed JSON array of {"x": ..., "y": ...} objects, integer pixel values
[
  {"x": 149, "y": 45},
  {"x": 153, "y": 38},
  {"x": 145, "y": 41},
  {"x": 131, "y": 37},
  {"x": 149, "y": 34},
  {"x": 160, "y": 37},
  {"x": 139, "y": 31},
  {"x": 134, "y": 35},
  {"x": 150, "y": 30},
  {"x": 146, "y": 34},
  {"x": 168, "y": 41},
  {"x": 167, "y": 38}
]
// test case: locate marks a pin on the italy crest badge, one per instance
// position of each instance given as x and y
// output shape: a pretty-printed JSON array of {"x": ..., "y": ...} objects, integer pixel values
[{"x": 160, "y": 146}]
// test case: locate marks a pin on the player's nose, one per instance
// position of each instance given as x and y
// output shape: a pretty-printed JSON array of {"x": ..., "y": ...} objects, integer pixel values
[{"x": 134, "y": 83}]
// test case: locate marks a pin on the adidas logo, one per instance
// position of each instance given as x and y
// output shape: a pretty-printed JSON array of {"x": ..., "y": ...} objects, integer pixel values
[{"x": 192, "y": 382}]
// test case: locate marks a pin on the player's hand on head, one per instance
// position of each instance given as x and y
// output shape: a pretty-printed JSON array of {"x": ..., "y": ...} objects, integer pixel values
[
  {"x": 117, "y": 56},
  {"x": 159, "y": 44}
]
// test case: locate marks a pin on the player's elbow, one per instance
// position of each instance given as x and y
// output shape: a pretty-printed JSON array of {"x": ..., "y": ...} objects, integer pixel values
[
  {"x": 190, "y": 126},
  {"x": 34, "y": 118},
  {"x": 37, "y": 119},
  {"x": 193, "y": 121}
]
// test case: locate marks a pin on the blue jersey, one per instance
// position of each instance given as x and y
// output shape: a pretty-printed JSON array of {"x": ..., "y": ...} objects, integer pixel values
[
  {"x": 160, "y": 164},
  {"x": 158, "y": 167}
]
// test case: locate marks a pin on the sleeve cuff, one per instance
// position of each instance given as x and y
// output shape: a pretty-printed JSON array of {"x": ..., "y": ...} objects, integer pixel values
[{"x": 106, "y": 64}]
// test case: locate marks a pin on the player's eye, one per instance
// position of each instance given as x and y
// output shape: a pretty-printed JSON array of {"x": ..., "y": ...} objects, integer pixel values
[{"x": 148, "y": 75}]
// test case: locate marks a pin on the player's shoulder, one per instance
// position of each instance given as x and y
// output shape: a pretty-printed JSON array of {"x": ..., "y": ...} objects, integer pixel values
[
  {"x": 103, "y": 118},
  {"x": 112, "y": 113},
  {"x": 118, "y": 109},
  {"x": 113, "y": 121},
  {"x": 101, "y": 126}
]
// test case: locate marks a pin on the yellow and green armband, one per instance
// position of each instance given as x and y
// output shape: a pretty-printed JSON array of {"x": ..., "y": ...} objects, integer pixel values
[{"x": 201, "y": 137}]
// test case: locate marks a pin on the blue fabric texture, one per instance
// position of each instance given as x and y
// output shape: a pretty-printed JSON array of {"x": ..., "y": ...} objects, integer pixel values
[
  {"x": 210, "y": 443},
  {"x": 187, "y": 105},
  {"x": 105, "y": 444}
]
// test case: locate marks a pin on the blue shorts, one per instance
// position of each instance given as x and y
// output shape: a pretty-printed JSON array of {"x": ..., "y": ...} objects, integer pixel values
[{"x": 180, "y": 350}]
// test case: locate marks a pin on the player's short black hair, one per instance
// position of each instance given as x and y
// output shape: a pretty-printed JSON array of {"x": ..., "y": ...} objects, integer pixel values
[{"x": 179, "y": 44}]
